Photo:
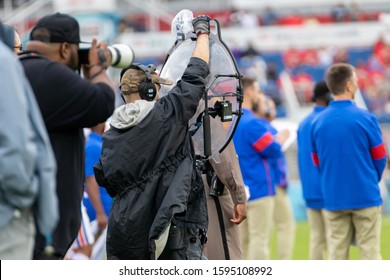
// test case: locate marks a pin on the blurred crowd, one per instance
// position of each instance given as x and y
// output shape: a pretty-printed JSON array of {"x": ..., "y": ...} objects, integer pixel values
[
  {"x": 270, "y": 16},
  {"x": 308, "y": 66}
]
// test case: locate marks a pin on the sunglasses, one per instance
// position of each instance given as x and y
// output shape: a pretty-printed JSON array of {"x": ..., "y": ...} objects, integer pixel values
[{"x": 18, "y": 47}]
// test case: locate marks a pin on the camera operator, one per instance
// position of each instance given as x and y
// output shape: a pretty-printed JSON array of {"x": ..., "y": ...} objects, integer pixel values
[
  {"x": 68, "y": 103},
  {"x": 148, "y": 163}
]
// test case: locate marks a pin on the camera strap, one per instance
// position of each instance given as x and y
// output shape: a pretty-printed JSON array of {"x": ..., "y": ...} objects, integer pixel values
[
  {"x": 197, "y": 124},
  {"x": 30, "y": 54},
  {"x": 222, "y": 227},
  {"x": 215, "y": 191}
]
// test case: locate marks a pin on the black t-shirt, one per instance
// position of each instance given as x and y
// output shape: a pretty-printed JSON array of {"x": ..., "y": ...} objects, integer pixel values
[{"x": 68, "y": 103}]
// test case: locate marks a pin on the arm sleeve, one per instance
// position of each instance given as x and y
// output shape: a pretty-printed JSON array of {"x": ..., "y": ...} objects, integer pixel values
[
  {"x": 263, "y": 142},
  {"x": 229, "y": 172},
  {"x": 185, "y": 96},
  {"x": 377, "y": 147},
  {"x": 17, "y": 149},
  {"x": 71, "y": 101},
  {"x": 314, "y": 153},
  {"x": 27, "y": 163}
]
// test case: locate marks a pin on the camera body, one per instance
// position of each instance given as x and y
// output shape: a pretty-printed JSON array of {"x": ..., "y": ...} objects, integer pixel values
[
  {"x": 216, "y": 187},
  {"x": 224, "y": 110},
  {"x": 122, "y": 56}
]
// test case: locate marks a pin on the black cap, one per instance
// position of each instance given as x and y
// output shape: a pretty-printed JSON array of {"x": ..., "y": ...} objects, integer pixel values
[
  {"x": 321, "y": 91},
  {"x": 56, "y": 28}
]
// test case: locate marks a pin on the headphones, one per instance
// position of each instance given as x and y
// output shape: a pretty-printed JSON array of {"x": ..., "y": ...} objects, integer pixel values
[{"x": 147, "y": 89}]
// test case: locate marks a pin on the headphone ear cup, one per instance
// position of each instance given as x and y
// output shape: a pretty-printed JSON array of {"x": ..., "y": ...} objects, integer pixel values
[{"x": 147, "y": 91}]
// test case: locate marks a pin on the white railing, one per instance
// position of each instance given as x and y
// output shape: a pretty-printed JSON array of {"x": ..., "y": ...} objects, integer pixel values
[{"x": 20, "y": 16}]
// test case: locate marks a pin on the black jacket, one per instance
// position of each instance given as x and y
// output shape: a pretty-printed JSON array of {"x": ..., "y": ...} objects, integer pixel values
[
  {"x": 68, "y": 103},
  {"x": 150, "y": 170}
]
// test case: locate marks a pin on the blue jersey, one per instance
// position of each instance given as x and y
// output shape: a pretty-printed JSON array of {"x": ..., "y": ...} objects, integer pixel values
[
  {"x": 348, "y": 148},
  {"x": 93, "y": 150},
  {"x": 255, "y": 147},
  {"x": 310, "y": 177}
]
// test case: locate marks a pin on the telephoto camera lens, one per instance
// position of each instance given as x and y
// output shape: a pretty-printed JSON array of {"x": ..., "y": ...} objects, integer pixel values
[{"x": 122, "y": 56}]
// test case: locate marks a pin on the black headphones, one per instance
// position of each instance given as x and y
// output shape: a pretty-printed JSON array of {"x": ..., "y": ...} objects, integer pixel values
[{"x": 147, "y": 89}]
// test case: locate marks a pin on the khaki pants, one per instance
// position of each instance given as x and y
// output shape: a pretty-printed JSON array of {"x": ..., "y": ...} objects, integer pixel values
[
  {"x": 214, "y": 248},
  {"x": 285, "y": 225},
  {"x": 366, "y": 223},
  {"x": 17, "y": 238},
  {"x": 257, "y": 228},
  {"x": 318, "y": 236}
]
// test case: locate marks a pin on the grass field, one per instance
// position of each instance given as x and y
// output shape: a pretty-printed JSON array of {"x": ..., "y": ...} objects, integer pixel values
[{"x": 301, "y": 250}]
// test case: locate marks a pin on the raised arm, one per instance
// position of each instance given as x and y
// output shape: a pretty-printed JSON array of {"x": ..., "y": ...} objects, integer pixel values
[{"x": 202, "y": 30}]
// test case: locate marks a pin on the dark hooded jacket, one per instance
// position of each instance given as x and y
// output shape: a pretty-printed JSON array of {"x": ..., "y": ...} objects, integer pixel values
[{"x": 148, "y": 165}]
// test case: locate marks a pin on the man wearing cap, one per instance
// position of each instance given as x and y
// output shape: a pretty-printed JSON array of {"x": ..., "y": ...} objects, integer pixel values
[
  {"x": 148, "y": 163},
  {"x": 310, "y": 177},
  {"x": 68, "y": 103}
]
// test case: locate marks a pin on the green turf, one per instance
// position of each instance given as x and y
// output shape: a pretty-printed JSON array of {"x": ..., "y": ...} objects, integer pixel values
[{"x": 301, "y": 250}]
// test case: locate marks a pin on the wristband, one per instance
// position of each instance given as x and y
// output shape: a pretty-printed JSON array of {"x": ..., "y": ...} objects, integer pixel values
[
  {"x": 97, "y": 64},
  {"x": 96, "y": 74}
]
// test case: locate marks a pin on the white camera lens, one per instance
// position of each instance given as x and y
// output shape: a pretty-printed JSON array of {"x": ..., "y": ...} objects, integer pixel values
[{"x": 122, "y": 56}]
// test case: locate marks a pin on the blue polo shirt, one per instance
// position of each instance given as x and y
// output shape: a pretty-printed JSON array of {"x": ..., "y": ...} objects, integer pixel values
[
  {"x": 348, "y": 149},
  {"x": 255, "y": 147},
  {"x": 309, "y": 174}
]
